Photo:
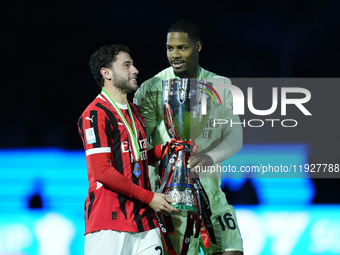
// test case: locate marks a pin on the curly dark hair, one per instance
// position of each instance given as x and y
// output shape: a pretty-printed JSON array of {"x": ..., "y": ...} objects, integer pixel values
[
  {"x": 189, "y": 27},
  {"x": 104, "y": 57}
]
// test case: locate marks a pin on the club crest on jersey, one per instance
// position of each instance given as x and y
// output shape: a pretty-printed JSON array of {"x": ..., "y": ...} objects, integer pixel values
[{"x": 90, "y": 136}]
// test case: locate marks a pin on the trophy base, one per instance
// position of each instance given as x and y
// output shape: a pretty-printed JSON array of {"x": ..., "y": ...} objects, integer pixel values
[
  {"x": 184, "y": 197},
  {"x": 184, "y": 209}
]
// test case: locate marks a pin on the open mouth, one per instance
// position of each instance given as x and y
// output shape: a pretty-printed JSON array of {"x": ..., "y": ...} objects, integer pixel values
[{"x": 177, "y": 64}]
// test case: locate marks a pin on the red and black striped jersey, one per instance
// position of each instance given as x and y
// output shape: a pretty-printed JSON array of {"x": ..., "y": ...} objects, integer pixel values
[{"x": 115, "y": 200}]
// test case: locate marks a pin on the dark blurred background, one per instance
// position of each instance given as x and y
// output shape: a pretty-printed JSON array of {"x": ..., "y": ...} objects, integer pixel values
[{"x": 46, "y": 83}]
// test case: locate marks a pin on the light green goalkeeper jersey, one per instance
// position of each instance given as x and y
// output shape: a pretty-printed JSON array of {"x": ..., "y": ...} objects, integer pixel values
[{"x": 220, "y": 142}]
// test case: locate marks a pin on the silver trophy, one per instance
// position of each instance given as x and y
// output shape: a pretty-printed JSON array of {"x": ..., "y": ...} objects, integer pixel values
[{"x": 184, "y": 121}]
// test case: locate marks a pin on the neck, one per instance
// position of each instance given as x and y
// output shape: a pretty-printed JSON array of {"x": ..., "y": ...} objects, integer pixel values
[
  {"x": 116, "y": 95},
  {"x": 192, "y": 74}
]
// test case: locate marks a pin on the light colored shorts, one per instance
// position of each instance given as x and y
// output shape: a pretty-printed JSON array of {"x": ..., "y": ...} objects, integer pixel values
[{"x": 110, "y": 242}]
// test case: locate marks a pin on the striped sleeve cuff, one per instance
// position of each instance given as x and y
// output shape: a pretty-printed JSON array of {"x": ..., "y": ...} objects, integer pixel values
[{"x": 98, "y": 150}]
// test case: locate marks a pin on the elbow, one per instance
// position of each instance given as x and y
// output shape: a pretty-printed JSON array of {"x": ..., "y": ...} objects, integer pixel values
[
  {"x": 100, "y": 174},
  {"x": 237, "y": 147}
]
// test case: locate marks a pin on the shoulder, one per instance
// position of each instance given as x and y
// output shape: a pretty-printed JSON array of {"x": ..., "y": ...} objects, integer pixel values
[
  {"x": 214, "y": 78},
  {"x": 98, "y": 107},
  {"x": 97, "y": 114}
]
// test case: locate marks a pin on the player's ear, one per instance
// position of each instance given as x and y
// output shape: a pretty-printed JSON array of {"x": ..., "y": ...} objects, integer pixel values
[
  {"x": 199, "y": 46},
  {"x": 106, "y": 73}
]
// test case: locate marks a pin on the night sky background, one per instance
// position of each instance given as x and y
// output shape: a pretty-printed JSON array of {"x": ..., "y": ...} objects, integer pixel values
[{"x": 45, "y": 47}]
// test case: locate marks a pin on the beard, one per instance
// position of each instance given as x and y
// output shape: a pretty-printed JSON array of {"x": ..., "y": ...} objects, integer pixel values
[
  {"x": 122, "y": 84},
  {"x": 181, "y": 74}
]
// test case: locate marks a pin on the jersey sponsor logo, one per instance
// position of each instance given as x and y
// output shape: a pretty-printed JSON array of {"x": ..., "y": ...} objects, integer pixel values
[
  {"x": 125, "y": 146},
  {"x": 91, "y": 119},
  {"x": 143, "y": 155},
  {"x": 206, "y": 134},
  {"x": 90, "y": 135},
  {"x": 142, "y": 145},
  {"x": 208, "y": 131},
  {"x": 211, "y": 124}
]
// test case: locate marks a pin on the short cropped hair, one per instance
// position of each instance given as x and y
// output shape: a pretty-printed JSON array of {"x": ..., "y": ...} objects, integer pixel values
[
  {"x": 105, "y": 57},
  {"x": 189, "y": 27}
]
